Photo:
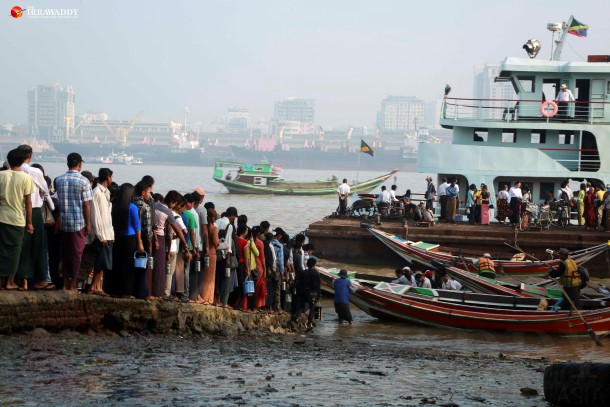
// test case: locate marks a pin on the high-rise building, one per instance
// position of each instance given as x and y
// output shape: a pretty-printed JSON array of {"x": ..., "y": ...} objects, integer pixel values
[
  {"x": 401, "y": 113},
  {"x": 486, "y": 87},
  {"x": 294, "y": 116},
  {"x": 238, "y": 120},
  {"x": 51, "y": 112}
]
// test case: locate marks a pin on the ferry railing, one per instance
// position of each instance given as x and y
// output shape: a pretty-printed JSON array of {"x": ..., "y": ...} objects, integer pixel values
[
  {"x": 575, "y": 159},
  {"x": 520, "y": 110}
]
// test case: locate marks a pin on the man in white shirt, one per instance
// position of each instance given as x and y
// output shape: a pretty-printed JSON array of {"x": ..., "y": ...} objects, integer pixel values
[
  {"x": 225, "y": 232},
  {"x": 393, "y": 194},
  {"x": 384, "y": 199},
  {"x": 515, "y": 198},
  {"x": 101, "y": 220},
  {"x": 343, "y": 192},
  {"x": 449, "y": 284},
  {"x": 422, "y": 281},
  {"x": 442, "y": 197},
  {"x": 34, "y": 260},
  {"x": 564, "y": 96}
]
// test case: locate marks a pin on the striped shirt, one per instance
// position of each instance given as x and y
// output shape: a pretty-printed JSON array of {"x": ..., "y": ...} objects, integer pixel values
[{"x": 72, "y": 190}]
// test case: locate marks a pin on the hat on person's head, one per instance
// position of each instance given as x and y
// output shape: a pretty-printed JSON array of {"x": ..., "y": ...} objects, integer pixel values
[
  {"x": 563, "y": 85},
  {"x": 200, "y": 191},
  {"x": 429, "y": 273},
  {"x": 428, "y": 178},
  {"x": 74, "y": 159},
  {"x": 406, "y": 268},
  {"x": 343, "y": 273},
  {"x": 487, "y": 255},
  {"x": 608, "y": 186},
  {"x": 418, "y": 274},
  {"x": 563, "y": 250}
]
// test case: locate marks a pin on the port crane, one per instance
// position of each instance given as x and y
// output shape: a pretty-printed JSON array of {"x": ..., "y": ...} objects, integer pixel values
[{"x": 120, "y": 133}]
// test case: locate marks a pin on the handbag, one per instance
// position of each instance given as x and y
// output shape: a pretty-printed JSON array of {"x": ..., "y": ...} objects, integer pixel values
[
  {"x": 47, "y": 215},
  {"x": 254, "y": 273}
]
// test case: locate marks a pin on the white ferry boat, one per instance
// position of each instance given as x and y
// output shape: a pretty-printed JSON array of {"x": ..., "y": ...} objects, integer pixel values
[{"x": 499, "y": 141}]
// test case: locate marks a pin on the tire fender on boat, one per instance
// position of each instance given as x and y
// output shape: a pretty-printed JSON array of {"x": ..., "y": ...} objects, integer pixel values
[
  {"x": 577, "y": 384},
  {"x": 548, "y": 108}
]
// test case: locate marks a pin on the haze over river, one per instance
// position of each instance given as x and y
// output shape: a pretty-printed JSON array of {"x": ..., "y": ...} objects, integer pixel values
[{"x": 371, "y": 363}]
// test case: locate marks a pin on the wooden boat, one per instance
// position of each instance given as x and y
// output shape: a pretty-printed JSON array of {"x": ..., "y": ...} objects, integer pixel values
[
  {"x": 466, "y": 310},
  {"x": 480, "y": 284},
  {"x": 264, "y": 178},
  {"x": 425, "y": 253}
]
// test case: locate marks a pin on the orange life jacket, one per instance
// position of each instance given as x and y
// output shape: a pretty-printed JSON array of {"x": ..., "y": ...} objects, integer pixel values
[
  {"x": 571, "y": 277},
  {"x": 486, "y": 264}
]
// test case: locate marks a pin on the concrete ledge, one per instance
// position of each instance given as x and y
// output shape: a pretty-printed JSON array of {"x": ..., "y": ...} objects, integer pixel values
[{"x": 58, "y": 310}]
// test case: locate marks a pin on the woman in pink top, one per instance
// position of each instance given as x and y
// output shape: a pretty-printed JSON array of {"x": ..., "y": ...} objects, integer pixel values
[{"x": 209, "y": 272}]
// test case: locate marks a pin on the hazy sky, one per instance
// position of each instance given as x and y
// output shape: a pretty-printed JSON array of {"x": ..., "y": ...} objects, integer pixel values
[{"x": 122, "y": 57}]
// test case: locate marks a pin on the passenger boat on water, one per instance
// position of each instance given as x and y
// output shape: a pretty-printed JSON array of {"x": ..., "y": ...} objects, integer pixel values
[
  {"x": 426, "y": 253},
  {"x": 500, "y": 141},
  {"x": 265, "y": 178},
  {"x": 466, "y": 310}
]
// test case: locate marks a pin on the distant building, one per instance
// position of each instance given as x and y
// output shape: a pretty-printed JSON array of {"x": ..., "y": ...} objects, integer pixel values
[
  {"x": 485, "y": 87},
  {"x": 51, "y": 112},
  {"x": 238, "y": 119},
  {"x": 401, "y": 114},
  {"x": 294, "y": 116}
]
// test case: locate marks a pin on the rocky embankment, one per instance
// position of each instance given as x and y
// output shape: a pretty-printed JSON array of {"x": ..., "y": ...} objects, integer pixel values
[{"x": 59, "y": 310}]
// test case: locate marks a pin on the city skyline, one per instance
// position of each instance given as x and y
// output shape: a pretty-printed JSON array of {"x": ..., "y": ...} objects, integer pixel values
[{"x": 346, "y": 56}]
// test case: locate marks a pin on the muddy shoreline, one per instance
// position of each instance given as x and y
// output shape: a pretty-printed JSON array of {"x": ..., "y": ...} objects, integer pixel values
[{"x": 73, "y": 369}]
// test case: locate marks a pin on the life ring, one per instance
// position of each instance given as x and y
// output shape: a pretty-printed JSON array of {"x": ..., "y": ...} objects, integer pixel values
[{"x": 548, "y": 108}]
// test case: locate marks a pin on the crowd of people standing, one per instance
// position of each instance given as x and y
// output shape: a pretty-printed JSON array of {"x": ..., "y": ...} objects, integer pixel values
[{"x": 143, "y": 244}]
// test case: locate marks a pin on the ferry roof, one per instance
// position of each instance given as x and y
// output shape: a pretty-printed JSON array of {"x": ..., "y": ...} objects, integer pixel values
[{"x": 512, "y": 65}]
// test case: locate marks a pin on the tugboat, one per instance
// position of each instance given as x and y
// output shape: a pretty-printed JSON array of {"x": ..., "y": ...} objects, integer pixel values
[
  {"x": 529, "y": 139},
  {"x": 265, "y": 178}
]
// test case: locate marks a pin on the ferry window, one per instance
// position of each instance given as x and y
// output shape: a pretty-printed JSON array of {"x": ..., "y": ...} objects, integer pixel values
[
  {"x": 509, "y": 136},
  {"x": 545, "y": 187},
  {"x": 527, "y": 83},
  {"x": 566, "y": 137},
  {"x": 480, "y": 135},
  {"x": 538, "y": 137},
  {"x": 259, "y": 181}
]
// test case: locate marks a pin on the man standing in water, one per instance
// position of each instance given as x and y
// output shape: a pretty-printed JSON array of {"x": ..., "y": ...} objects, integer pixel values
[
  {"x": 343, "y": 192},
  {"x": 343, "y": 290}
]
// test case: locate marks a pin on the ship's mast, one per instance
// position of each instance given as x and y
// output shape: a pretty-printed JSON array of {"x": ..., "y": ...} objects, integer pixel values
[{"x": 556, "y": 56}]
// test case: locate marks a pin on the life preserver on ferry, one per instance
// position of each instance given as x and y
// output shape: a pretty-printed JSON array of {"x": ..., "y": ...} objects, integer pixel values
[{"x": 548, "y": 108}]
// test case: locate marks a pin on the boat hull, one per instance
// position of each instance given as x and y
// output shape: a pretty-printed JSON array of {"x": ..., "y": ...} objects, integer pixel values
[
  {"x": 409, "y": 252},
  {"x": 298, "y": 188},
  {"x": 431, "y": 312}
]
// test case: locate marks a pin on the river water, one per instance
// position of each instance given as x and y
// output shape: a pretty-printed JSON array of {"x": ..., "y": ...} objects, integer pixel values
[{"x": 403, "y": 364}]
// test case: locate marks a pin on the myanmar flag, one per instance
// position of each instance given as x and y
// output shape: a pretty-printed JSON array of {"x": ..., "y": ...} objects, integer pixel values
[
  {"x": 364, "y": 148},
  {"x": 577, "y": 28}
]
